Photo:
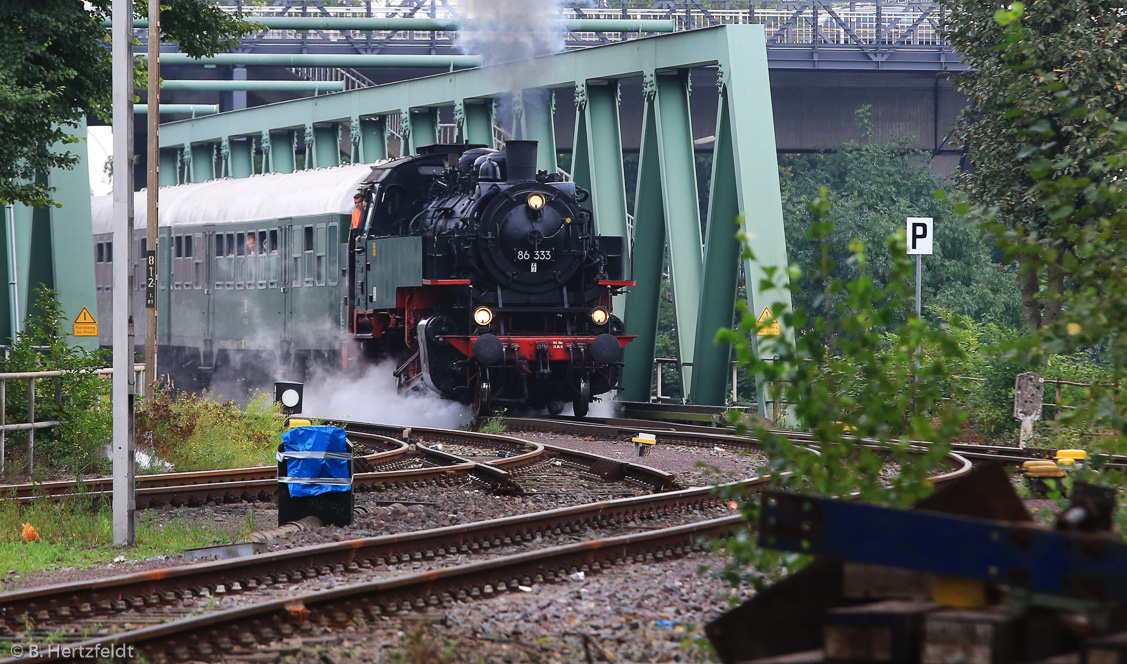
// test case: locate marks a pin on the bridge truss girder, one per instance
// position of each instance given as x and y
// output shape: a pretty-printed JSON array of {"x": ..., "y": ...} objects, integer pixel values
[{"x": 666, "y": 221}]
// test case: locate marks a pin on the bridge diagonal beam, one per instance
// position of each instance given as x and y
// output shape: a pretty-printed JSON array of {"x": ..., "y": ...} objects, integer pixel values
[
  {"x": 649, "y": 255},
  {"x": 677, "y": 162}
]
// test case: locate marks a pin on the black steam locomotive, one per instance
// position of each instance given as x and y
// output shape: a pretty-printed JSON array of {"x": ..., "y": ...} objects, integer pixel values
[{"x": 484, "y": 279}]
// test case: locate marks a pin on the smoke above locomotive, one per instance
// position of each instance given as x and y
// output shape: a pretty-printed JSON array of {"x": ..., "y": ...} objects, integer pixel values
[{"x": 484, "y": 280}]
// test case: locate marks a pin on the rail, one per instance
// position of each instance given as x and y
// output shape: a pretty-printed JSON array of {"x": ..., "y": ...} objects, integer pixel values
[{"x": 31, "y": 426}]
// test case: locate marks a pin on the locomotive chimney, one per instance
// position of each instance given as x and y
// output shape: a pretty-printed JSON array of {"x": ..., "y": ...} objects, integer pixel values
[{"x": 520, "y": 160}]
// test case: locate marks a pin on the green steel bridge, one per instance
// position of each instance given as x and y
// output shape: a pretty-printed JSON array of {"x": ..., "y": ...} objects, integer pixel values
[{"x": 675, "y": 229}]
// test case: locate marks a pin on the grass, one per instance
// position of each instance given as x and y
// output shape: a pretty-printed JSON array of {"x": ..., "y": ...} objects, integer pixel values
[
  {"x": 195, "y": 433},
  {"x": 73, "y": 533}
]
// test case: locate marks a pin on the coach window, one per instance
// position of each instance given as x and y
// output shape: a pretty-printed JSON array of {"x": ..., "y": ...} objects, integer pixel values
[
  {"x": 229, "y": 262},
  {"x": 309, "y": 257},
  {"x": 178, "y": 261},
  {"x": 319, "y": 247},
  {"x": 295, "y": 251},
  {"x": 260, "y": 267},
  {"x": 274, "y": 260},
  {"x": 143, "y": 243},
  {"x": 240, "y": 260},
  {"x": 197, "y": 259},
  {"x": 217, "y": 262},
  {"x": 334, "y": 253}
]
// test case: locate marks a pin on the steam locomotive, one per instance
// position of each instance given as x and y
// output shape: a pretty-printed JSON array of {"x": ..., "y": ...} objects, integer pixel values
[
  {"x": 479, "y": 277},
  {"x": 485, "y": 279}
]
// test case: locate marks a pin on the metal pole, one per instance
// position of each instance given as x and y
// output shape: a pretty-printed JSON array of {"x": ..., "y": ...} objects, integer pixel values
[
  {"x": 31, "y": 431},
  {"x": 919, "y": 272},
  {"x": 13, "y": 272},
  {"x": 123, "y": 499},
  {"x": 3, "y": 421},
  {"x": 153, "y": 187}
]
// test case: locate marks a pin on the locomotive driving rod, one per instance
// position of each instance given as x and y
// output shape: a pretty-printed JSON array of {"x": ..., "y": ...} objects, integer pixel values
[{"x": 369, "y": 23}]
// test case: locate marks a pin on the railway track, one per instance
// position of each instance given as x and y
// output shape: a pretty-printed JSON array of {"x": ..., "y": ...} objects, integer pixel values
[
  {"x": 706, "y": 436},
  {"x": 417, "y": 460},
  {"x": 69, "y": 613}
]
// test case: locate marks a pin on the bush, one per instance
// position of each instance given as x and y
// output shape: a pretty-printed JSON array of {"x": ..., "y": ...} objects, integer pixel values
[
  {"x": 195, "y": 433},
  {"x": 78, "y": 400}
]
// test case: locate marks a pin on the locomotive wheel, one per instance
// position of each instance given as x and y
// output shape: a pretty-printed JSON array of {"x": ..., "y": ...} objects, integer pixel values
[
  {"x": 482, "y": 400},
  {"x": 582, "y": 401},
  {"x": 555, "y": 407}
]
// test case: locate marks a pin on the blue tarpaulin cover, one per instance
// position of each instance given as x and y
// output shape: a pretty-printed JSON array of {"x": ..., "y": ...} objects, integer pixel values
[{"x": 314, "y": 443}]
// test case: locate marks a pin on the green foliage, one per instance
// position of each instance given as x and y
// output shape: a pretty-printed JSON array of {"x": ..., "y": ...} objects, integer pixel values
[
  {"x": 195, "y": 433},
  {"x": 841, "y": 379},
  {"x": 875, "y": 186},
  {"x": 1048, "y": 90},
  {"x": 494, "y": 424},
  {"x": 78, "y": 400},
  {"x": 75, "y": 532},
  {"x": 1050, "y": 148},
  {"x": 55, "y": 70}
]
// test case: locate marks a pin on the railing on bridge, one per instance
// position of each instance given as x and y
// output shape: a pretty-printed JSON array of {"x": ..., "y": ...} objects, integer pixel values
[{"x": 877, "y": 28}]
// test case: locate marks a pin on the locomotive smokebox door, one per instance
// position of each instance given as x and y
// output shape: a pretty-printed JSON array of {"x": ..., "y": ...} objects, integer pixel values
[
  {"x": 315, "y": 475},
  {"x": 289, "y": 395}
]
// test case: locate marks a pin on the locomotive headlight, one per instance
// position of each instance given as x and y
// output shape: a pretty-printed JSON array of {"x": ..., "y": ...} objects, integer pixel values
[
  {"x": 482, "y": 316},
  {"x": 536, "y": 202},
  {"x": 599, "y": 316}
]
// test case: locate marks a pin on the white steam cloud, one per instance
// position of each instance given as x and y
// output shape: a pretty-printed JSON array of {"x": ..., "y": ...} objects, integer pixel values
[
  {"x": 503, "y": 31},
  {"x": 507, "y": 30},
  {"x": 371, "y": 396}
]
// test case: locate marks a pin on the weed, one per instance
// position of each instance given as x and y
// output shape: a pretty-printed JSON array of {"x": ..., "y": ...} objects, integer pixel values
[
  {"x": 76, "y": 532},
  {"x": 195, "y": 433},
  {"x": 250, "y": 524},
  {"x": 494, "y": 424},
  {"x": 421, "y": 644}
]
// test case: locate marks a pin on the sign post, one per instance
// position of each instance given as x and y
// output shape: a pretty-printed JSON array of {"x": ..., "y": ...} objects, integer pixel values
[
  {"x": 124, "y": 503},
  {"x": 920, "y": 241}
]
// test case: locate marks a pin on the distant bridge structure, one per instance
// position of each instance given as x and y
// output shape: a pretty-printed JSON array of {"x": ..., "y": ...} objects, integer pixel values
[{"x": 826, "y": 58}]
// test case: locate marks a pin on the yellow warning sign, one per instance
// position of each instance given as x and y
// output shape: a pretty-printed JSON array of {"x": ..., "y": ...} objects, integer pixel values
[
  {"x": 773, "y": 328},
  {"x": 85, "y": 325}
]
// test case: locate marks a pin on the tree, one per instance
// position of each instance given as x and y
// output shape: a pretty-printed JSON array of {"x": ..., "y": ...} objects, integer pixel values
[
  {"x": 55, "y": 70},
  {"x": 1055, "y": 117},
  {"x": 1045, "y": 88},
  {"x": 875, "y": 186}
]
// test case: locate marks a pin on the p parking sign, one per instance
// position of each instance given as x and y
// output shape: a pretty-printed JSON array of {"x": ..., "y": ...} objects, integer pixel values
[{"x": 920, "y": 236}]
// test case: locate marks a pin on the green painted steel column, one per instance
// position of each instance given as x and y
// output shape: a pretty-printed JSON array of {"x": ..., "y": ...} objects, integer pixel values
[
  {"x": 477, "y": 125},
  {"x": 538, "y": 124},
  {"x": 40, "y": 257},
  {"x": 373, "y": 139},
  {"x": 326, "y": 143},
  {"x": 604, "y": 140},
  {"x": 757, "y": 173},
  {"x": 682, "y": 211},
  {"x": 53, "y": 244},
  {"x": 281, "y": 144},
  {"x": 241, "y": 156},
  {"x": 203, "y": 162},
  {"x": 169, "y": 166},
  {"x": 711, "y": 368},
  {"x": 580, "y": 153},
  {"x": 424, "y": 128},
  {"x": 649, "y": 254}
]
